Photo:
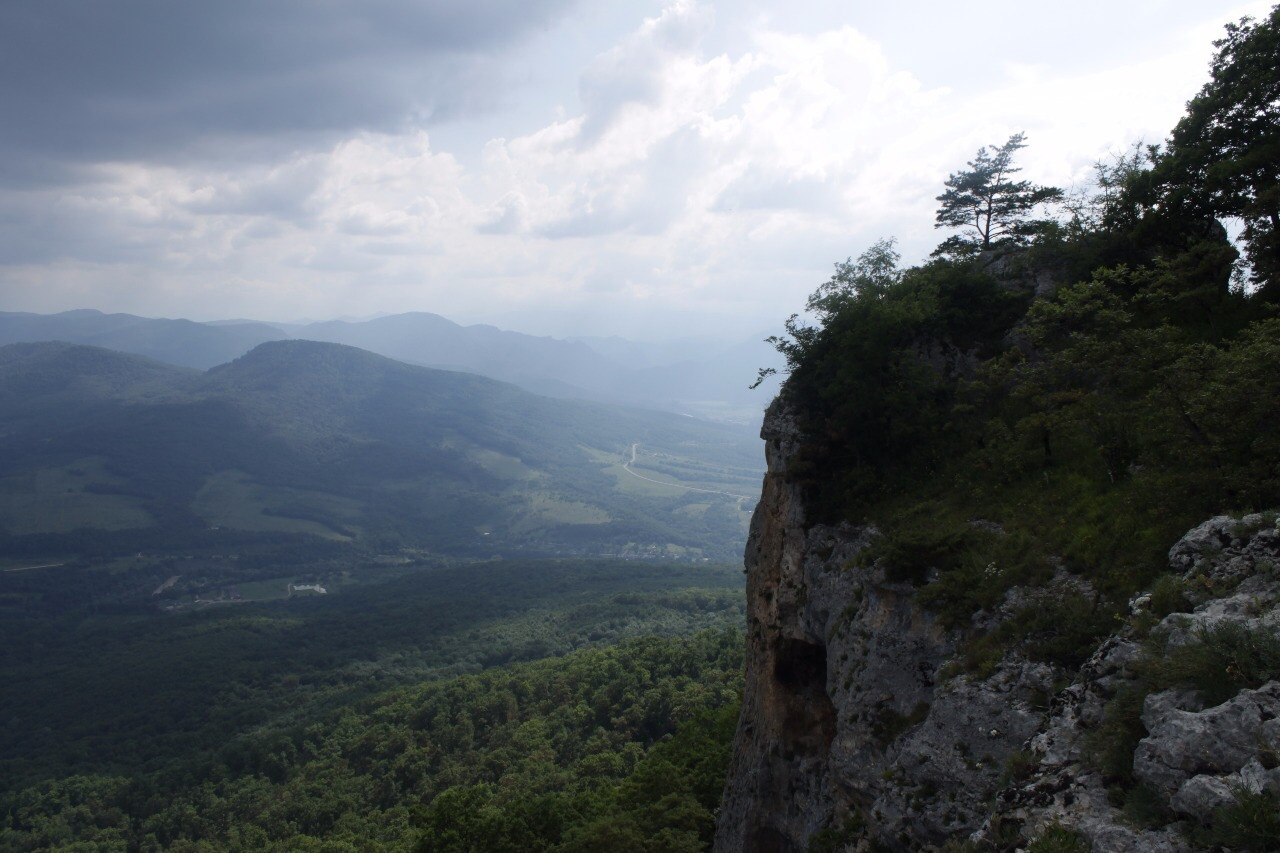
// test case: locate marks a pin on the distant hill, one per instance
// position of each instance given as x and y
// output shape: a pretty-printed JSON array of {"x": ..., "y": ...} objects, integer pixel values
[
  {"x": 101, "y": 451},
  {"x": 181, "y": 342},
  {"x": 699, "y": 377},
  {"x": 707, "y": 378},
  {"x": 434, "y": 341}
]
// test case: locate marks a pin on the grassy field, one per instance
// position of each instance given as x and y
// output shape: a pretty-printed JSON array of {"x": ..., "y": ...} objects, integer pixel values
[
  {"x": 500, "y": 464},
  {"x": 693, "y": 473},
  {"x": 614, "y": 465},
  {"x": 545, "y": 509},
  {"x": 55, "y": 500},
  {"x": 231, "y": 499}
]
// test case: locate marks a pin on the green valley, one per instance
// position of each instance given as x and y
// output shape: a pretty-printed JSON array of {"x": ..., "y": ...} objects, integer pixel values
[
  {"x": 103, "y": 454},
  {"x": 546, "y": 690},
  {"x": 222, "y": 593}
]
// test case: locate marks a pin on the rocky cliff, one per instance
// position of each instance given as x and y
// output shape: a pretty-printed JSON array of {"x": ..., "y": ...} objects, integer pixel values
[{"x": 861, "y": 728}]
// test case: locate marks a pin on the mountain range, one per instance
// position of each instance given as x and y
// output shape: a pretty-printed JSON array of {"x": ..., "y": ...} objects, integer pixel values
[
  {"x": 704, "y": 378},
  {"x": 301, "y": 440}
]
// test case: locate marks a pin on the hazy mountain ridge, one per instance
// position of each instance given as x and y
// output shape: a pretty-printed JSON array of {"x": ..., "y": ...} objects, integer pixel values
[
  {"x": 355, "y": 447},
  {"x": 181, "y": 342},
  {"x": 703, "y": 377}
]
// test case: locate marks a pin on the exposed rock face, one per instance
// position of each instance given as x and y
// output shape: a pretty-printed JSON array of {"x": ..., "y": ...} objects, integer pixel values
[
  {"x": 846, "y": 718},
  {"x": 850, "y": 728},
  {"x": 1194, "y": 758}
]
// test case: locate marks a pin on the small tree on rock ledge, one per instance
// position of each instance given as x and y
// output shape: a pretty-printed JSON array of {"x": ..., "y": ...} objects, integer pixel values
[{"x": 985, "y": 201}]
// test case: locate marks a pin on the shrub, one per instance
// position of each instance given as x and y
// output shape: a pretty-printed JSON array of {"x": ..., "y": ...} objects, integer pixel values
[
  {"x": 1058, "y": 839},
  {"x": 1252, "y": 823},
  {"x": 1169, "y": 595},
  {"x": 1223, "y": 660}
]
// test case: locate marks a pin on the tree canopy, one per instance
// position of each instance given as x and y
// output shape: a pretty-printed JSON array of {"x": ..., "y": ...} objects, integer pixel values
[
  {"x": 1223, "y": 157},
  {"x": 1090, "y": 394},
  {"x": 986, "y": 201}
]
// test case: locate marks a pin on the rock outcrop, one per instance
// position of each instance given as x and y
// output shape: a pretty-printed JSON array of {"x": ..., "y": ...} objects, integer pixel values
[{"x": 856, "y": 733}]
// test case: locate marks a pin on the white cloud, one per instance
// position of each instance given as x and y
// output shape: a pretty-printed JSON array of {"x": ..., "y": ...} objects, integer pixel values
[{"x": 702, "y": 182}]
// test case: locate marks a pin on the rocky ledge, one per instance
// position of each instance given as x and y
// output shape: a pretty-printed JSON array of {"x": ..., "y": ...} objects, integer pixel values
[{"x": 856, "y": 733}]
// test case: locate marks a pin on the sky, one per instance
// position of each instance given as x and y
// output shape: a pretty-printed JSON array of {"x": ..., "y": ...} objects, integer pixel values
[{"x": 646, "y": 169}]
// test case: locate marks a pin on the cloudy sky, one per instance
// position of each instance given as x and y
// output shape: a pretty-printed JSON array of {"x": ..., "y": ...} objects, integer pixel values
[{"x": 551, "y": 166}]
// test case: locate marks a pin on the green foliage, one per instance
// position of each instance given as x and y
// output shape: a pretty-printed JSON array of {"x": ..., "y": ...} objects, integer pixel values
[
  {"x": 870, "y": 277},
  {"x": 1111, "y": 745},
  {"x": 626, "y": 742},
  {"x": 157, "y": 689},
  {"x": 1252, "y": 823},
  {"x": 1018, "y": 767},
  {"x": 889, "y": 723},
  {"x": 1092, "y": 395},
  {"x": 921, "y": 539},
  {"x": 986, "y": 564},
  {"x": 332, "y": 442},
  {"x": 1142, "y": 806},
  {"x": 833, "y": 839},
  {"x": 1059, "y": 839},
  {"x": 1061, "y": 627},
  {"x": 1224, "y": 659},
  {"x": 987, "y": 201},
  {"x": 876, "y": 383},
  {"x": 1221, "y": 157},
  {"x": 1219, "y": 662},
  {"x": 1169, "y": 595}
]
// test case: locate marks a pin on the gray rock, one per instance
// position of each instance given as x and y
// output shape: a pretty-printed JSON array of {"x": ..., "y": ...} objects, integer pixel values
[
  {"x": 1213, "y": 742},
  {"x": 849, "y": 719},
  {"x": 1199, "y": 796}
]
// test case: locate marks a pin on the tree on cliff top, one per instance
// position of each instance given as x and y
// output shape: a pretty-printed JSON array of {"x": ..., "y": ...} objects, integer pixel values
[
  {"x": 1223, "y": 157},
  {"x": 988, "y": 203},
  {"x": 869, "y": 278}
]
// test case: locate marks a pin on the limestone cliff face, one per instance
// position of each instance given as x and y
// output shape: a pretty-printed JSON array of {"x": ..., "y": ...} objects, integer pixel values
[
  {"x": 845, "y": 718},
  {"x": 851, "y": 734}
]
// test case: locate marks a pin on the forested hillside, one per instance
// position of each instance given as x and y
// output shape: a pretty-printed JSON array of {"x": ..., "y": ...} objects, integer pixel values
[
  {"x": 326, "y": 446},
  {"x": 1095, "y": 384},
  {"x": 345, "y": 716},
  {"x": 259, "y": 608},
  {"x": 700, "y": 376},
  {"x": 230, "y": 600},
  {"x": 1013, "y": 578}
]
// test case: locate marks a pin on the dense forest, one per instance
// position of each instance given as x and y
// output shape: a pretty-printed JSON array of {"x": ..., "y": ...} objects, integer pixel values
[
  {"x": 617, "y": 748},
  {"x": 550, "y": 700},
  {"x": 1094, "y": 383}
]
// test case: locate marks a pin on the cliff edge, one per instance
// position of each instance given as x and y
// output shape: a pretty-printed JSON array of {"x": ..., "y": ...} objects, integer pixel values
[{"x": 866, "y": 726}]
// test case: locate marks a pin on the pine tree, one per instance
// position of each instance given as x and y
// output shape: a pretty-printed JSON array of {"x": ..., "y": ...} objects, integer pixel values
[{"x": 988, "y": 203}]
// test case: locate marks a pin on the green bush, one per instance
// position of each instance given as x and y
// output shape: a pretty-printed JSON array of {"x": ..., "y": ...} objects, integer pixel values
[
  {"x": 1059, "y": 839},
  {"x": 833, "y": 839},
  {"x": 1222, "y": 660},
  {"x": 1169, "y": 595},
  {"x": 1252, "y": 823}
]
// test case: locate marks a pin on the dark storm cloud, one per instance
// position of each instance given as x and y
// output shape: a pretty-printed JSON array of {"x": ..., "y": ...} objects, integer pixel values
[{"x": 84, "y": 81}]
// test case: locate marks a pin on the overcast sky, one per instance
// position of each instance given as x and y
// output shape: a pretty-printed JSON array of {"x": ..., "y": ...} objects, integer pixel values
[{"x": 551, "y": 166}]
